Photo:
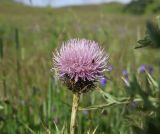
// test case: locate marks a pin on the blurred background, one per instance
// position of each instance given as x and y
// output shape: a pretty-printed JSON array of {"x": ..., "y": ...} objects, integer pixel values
[{"x": 33, "y": 101}]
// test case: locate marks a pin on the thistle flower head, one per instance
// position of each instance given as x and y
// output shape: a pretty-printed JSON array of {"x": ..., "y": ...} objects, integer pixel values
[{"x": 80, "y": 62}]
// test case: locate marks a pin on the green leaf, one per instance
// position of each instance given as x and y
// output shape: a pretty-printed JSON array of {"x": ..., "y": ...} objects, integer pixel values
[
  {"x": 107, "y": 96},
  {"x": 152, "y": 36},
  {"x": 95, "y": 130},
  {"x": 153, "y": 82},
  {"x": 57, "y": 130}
]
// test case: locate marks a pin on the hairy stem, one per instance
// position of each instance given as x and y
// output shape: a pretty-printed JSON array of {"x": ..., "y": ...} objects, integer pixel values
[{"x": 75, "y": 103}]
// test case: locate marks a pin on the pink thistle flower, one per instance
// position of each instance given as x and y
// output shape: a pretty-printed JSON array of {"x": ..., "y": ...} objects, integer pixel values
[{"x": 80, "y": 62}]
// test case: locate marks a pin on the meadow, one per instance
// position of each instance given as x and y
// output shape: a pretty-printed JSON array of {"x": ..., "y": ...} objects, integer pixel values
[{"x": 33, "y": 101}]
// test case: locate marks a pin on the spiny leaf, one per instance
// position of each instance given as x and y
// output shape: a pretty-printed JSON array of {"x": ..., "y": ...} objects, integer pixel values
[
  {"x": 154, "y": 33},
  {"x": 152, "y": 36},
  {"x": 144, "y": 42}
]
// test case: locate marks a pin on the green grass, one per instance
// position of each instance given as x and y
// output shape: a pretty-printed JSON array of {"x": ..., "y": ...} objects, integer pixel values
[{"x": 35, "y": 99}]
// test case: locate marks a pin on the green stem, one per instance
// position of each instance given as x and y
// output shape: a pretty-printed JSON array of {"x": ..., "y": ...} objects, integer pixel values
[
  {"x": 75, "y": 104},
  {"x": 125, "y": 101}
]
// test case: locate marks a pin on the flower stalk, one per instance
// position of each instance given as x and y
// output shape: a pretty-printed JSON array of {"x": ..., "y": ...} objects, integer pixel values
[{"x": 75, "y": 104}]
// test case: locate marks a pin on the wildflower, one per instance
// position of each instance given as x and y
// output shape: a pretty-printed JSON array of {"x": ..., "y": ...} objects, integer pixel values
[
  {"x": 103, "y": 81},
  {"x": 80, "y": 63},
  {"x": 150, "y": 69},
  {"x": 125, "y": 77},
  {"x": 125, "y": 73},
  {"x": 142, "y": 68}
]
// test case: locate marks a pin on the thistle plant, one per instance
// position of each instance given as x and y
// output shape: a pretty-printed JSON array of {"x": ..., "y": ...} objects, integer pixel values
[
  {"x": 80, "y": 63},
  {"x": 152, "y": 35}
]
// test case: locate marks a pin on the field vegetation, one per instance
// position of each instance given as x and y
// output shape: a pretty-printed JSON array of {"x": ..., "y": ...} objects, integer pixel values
[{"x": 32, "y": 100}]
